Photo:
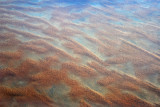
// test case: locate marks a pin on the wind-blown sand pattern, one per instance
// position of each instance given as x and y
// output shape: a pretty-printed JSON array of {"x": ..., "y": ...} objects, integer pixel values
[{"x": 81, "y": 53}]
